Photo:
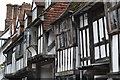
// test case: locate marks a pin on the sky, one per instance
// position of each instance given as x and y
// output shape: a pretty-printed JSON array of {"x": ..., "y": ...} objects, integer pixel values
[{"x": 3, "y": 10}]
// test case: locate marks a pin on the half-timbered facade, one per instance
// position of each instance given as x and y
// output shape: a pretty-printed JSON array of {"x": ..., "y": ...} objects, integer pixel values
[
  {"x": 64, "y": 41},
  {"x": 93, "y": 41}
]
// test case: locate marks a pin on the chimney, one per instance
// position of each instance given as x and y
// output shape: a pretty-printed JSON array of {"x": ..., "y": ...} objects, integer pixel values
[{"x": 8, "y": 20}]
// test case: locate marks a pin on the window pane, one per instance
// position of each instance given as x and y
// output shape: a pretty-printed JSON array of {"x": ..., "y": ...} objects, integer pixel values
[
  {"x": 66, "y": 59},
  {"x": 41, "y": 44},
  {"x": 69, "y": 59},
  {"x": 113, "y": 18},
  {"x": 81, "y": 48},
  {"x": 103, "y": 53},
  {"x": 115, "y": 60},
  {"x": 81, "y": 21},
  {"x": 88, "y": 42},
  {"x": 101, "y": 29},
  {"x": 107, "y": 49},
  {"x": 97, "y": 56},
  {"x": 72, "y": 58},
  {"x": 106, "y": 33},
  {"x": 95, "y": 31},
  {"x": 85, "y": 20},
  {"x": 84, "y": 43}
]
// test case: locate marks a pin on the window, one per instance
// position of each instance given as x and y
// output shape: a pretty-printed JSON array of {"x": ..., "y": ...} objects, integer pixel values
[
  {"x": 100, "y": 35},
  {"x": 65, "y": 44},
  {"x": 93, "y": 36},
  {"x": 113, "y": 17},
  {"x": 65, "y": 34},
  {"x": 84, "y": 40}
]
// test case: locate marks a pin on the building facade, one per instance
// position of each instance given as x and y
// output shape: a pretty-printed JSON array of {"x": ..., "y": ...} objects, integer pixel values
[{"x": 62, "y": 41}]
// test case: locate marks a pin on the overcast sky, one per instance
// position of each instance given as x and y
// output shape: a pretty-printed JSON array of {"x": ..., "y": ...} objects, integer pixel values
[{"x": 3, "y": 10}]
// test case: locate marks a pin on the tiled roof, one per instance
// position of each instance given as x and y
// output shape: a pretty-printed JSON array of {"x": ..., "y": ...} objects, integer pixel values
[{"x": 54, "y": 12}]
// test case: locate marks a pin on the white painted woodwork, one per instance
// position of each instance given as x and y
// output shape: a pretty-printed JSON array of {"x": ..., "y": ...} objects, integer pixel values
[
  {"x": 115, "y": 60},
  {"x": 32, "y": 51}
]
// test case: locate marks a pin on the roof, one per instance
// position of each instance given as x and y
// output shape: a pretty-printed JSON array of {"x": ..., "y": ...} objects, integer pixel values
[{"x": 54, "y": 12}]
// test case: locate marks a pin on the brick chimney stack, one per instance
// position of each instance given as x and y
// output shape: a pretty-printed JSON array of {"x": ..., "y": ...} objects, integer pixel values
[
  {"x": 12, "y": 12},
  {"x": 8, "y": 20}
]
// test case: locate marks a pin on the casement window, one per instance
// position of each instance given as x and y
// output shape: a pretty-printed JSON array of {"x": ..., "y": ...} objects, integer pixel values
[
  {"x": 100, "y": 38},
  {"x": 113, "y": 16},
  {"x": 40, "y": 39},
  {"x": 34, "y": 13},
  {"x": 93, "y": 36},
  {"x": 100, "y": 34},
  {"x": 65, "y": 44},
  {"x": 113, "y": 19},
  {"x": 65, "y": 34},
  {"x": 84, "y": 40}
]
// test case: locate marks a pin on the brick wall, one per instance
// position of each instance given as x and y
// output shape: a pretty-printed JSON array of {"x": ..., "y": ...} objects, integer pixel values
[{"x": 12, "y": 12}]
